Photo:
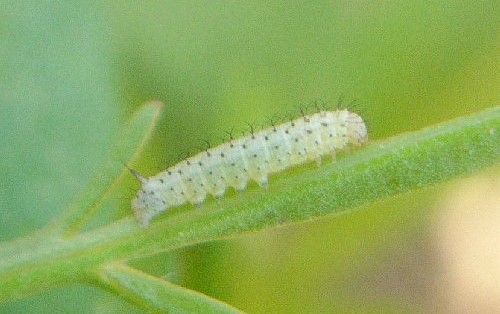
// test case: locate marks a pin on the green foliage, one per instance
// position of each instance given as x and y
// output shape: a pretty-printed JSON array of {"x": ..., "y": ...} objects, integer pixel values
[
  {"x": 158, "y": 295},
  {"x": 73, "y": 72},
  {"x": 384, "y": 168}
]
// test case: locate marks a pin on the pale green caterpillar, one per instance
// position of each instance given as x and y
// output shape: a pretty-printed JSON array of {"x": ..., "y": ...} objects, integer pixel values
[{"x": 252, "y": 157}]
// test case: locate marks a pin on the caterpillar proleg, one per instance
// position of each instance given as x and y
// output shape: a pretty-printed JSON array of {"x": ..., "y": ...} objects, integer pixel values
[{"x": 252, "y": 157}]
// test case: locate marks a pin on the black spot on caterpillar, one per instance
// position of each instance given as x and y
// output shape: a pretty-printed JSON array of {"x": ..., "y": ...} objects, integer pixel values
[{"x": 252, "y": 157}]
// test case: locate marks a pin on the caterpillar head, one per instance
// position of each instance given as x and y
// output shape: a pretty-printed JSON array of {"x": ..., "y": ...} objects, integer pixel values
[{"x": 147, "y": 203}]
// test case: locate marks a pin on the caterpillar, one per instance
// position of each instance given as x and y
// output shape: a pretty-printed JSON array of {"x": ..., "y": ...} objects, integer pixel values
[{"x": 252, "y": 157}]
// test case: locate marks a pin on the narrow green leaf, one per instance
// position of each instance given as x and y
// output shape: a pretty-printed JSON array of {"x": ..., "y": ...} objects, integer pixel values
[
  {"x": 159, "y": 296},
  {"x": 128, "y": 145},
  {"x": 389, "y": 167}
]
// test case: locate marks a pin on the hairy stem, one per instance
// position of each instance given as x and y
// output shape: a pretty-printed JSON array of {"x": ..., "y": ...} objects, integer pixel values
[{"x": 392, "y": 166}]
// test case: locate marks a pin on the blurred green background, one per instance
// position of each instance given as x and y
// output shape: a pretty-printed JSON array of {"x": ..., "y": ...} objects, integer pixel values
[{"x": 72, "y": 71}]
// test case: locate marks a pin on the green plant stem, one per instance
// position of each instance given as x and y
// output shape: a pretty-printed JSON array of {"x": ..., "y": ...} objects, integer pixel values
[
  {"x": 159, "y": 296},
  {"x": 396, "y": 165}
]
